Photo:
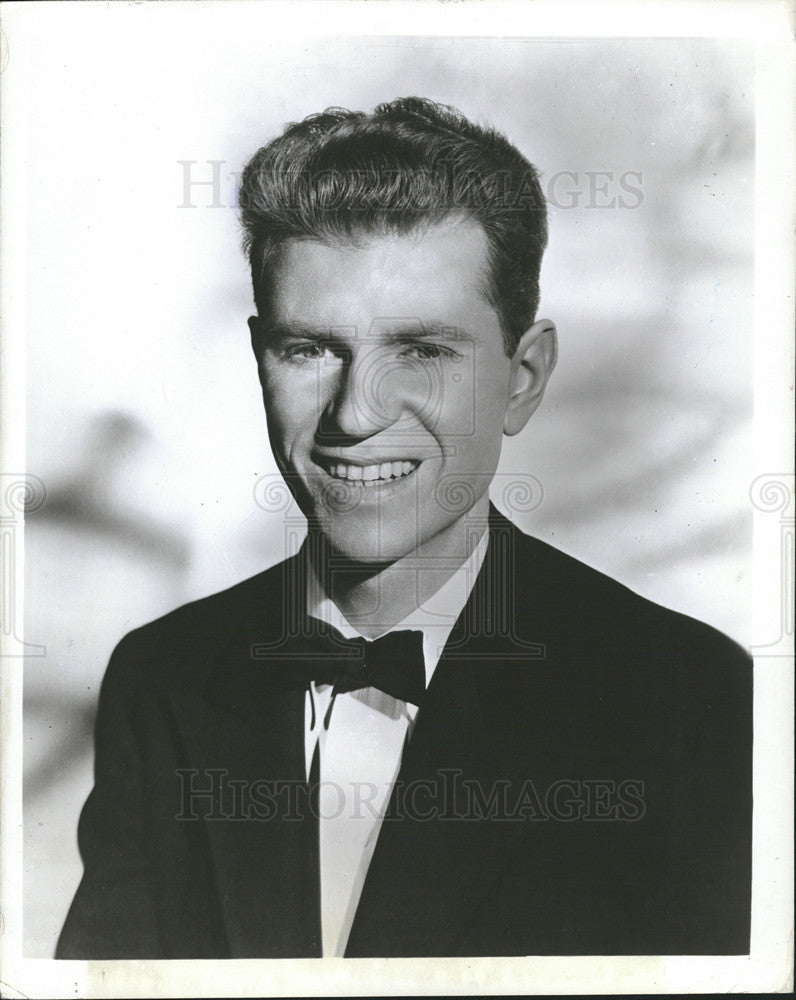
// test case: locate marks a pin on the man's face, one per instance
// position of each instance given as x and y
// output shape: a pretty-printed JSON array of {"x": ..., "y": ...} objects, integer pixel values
[{"x": 386, "y": 385}]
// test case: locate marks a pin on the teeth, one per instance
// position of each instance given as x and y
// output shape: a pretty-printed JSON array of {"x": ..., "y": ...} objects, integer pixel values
[{"x": 370, "y": 475}]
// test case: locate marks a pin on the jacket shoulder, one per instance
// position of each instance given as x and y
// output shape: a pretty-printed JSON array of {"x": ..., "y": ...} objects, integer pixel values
[
  {"x": 200, "y": 631},
  {"x": 573, "y": 594}
]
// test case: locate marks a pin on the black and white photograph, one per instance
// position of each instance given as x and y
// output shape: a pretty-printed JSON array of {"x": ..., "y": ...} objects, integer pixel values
[{"x": 397, "y": 498}]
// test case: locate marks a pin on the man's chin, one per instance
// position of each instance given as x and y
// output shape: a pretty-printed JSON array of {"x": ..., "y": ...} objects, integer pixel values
[
  {"x": 374, "y": 555},
  {"x": 367, "y": 544}
]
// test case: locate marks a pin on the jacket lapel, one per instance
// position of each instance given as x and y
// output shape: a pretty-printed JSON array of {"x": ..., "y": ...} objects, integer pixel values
[
  {"x": 438, "y": 855},
  {"x": 431, "y": 865},
  {"x": 248, "y": 723}
]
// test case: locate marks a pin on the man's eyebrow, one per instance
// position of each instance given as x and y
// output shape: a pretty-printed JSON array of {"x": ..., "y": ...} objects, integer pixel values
[
  {"x": 420, "y": 329},
  {"x": 305, "y": 331},
  {"x": 391, "y": 330}
]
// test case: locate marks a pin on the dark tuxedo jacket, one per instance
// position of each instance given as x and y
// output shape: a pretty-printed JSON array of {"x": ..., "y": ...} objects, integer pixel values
[{"x": 579, "y": 781}]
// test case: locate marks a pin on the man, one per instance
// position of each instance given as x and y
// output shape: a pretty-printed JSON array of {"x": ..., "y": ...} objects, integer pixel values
[{"x": 425, "y": 734}]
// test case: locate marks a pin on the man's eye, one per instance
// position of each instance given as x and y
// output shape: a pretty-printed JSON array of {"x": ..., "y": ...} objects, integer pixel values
[
  {"x": 426, "y": 352},
  {"x": 312, "y": 351}
]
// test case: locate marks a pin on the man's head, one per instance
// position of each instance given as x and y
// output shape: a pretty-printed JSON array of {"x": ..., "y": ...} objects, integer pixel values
[{"x": 395, "y": 260}]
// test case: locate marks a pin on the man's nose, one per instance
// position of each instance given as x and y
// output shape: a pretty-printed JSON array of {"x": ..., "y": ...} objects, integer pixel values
[{"x": 367, "y": 396}]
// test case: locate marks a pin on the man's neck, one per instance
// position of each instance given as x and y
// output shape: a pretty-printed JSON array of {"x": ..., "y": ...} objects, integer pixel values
[{"x": 376, "y": 598}]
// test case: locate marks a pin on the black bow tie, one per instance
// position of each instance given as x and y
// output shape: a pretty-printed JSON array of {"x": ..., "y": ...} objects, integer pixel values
[{"x": 393, "y": 663}]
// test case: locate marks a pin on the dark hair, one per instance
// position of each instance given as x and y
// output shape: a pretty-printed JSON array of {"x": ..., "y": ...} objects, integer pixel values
[{"x": 412, "y": 162}]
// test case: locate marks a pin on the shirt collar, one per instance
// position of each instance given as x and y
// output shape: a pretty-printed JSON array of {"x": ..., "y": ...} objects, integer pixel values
[{"x": 435, "y": 618}]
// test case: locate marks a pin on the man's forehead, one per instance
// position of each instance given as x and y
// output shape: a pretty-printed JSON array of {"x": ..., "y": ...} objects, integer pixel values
[
  {"x": 435, "y": 278},
  {"x": 388, "y": 252}
]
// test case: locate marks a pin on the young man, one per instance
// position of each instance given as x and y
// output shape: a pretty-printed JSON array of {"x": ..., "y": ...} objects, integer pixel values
[{"x": 425, "y": 734}]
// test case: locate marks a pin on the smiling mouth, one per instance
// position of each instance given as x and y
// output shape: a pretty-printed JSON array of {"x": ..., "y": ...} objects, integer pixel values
[{"x": 371, "y": 475}]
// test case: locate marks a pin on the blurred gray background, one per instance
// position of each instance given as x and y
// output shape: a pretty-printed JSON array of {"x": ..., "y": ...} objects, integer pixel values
[{"x": 144, "y": 417}]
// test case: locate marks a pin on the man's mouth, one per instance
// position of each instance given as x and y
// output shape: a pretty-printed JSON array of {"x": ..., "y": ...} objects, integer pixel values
[{"x": 371, "y": 475}]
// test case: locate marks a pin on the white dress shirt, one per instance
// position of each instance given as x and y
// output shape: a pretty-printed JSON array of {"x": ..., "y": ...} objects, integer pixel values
[{"x": 361, "y": 750}]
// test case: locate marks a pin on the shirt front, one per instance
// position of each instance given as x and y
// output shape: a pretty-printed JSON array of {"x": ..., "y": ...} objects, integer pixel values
[{"x": 360, "y": 739}]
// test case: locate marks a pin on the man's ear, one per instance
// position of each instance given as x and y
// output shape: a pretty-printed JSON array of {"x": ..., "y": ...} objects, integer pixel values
[
  {"x": 256, "y": 331},
  {"x": 531, "y": 367}
]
